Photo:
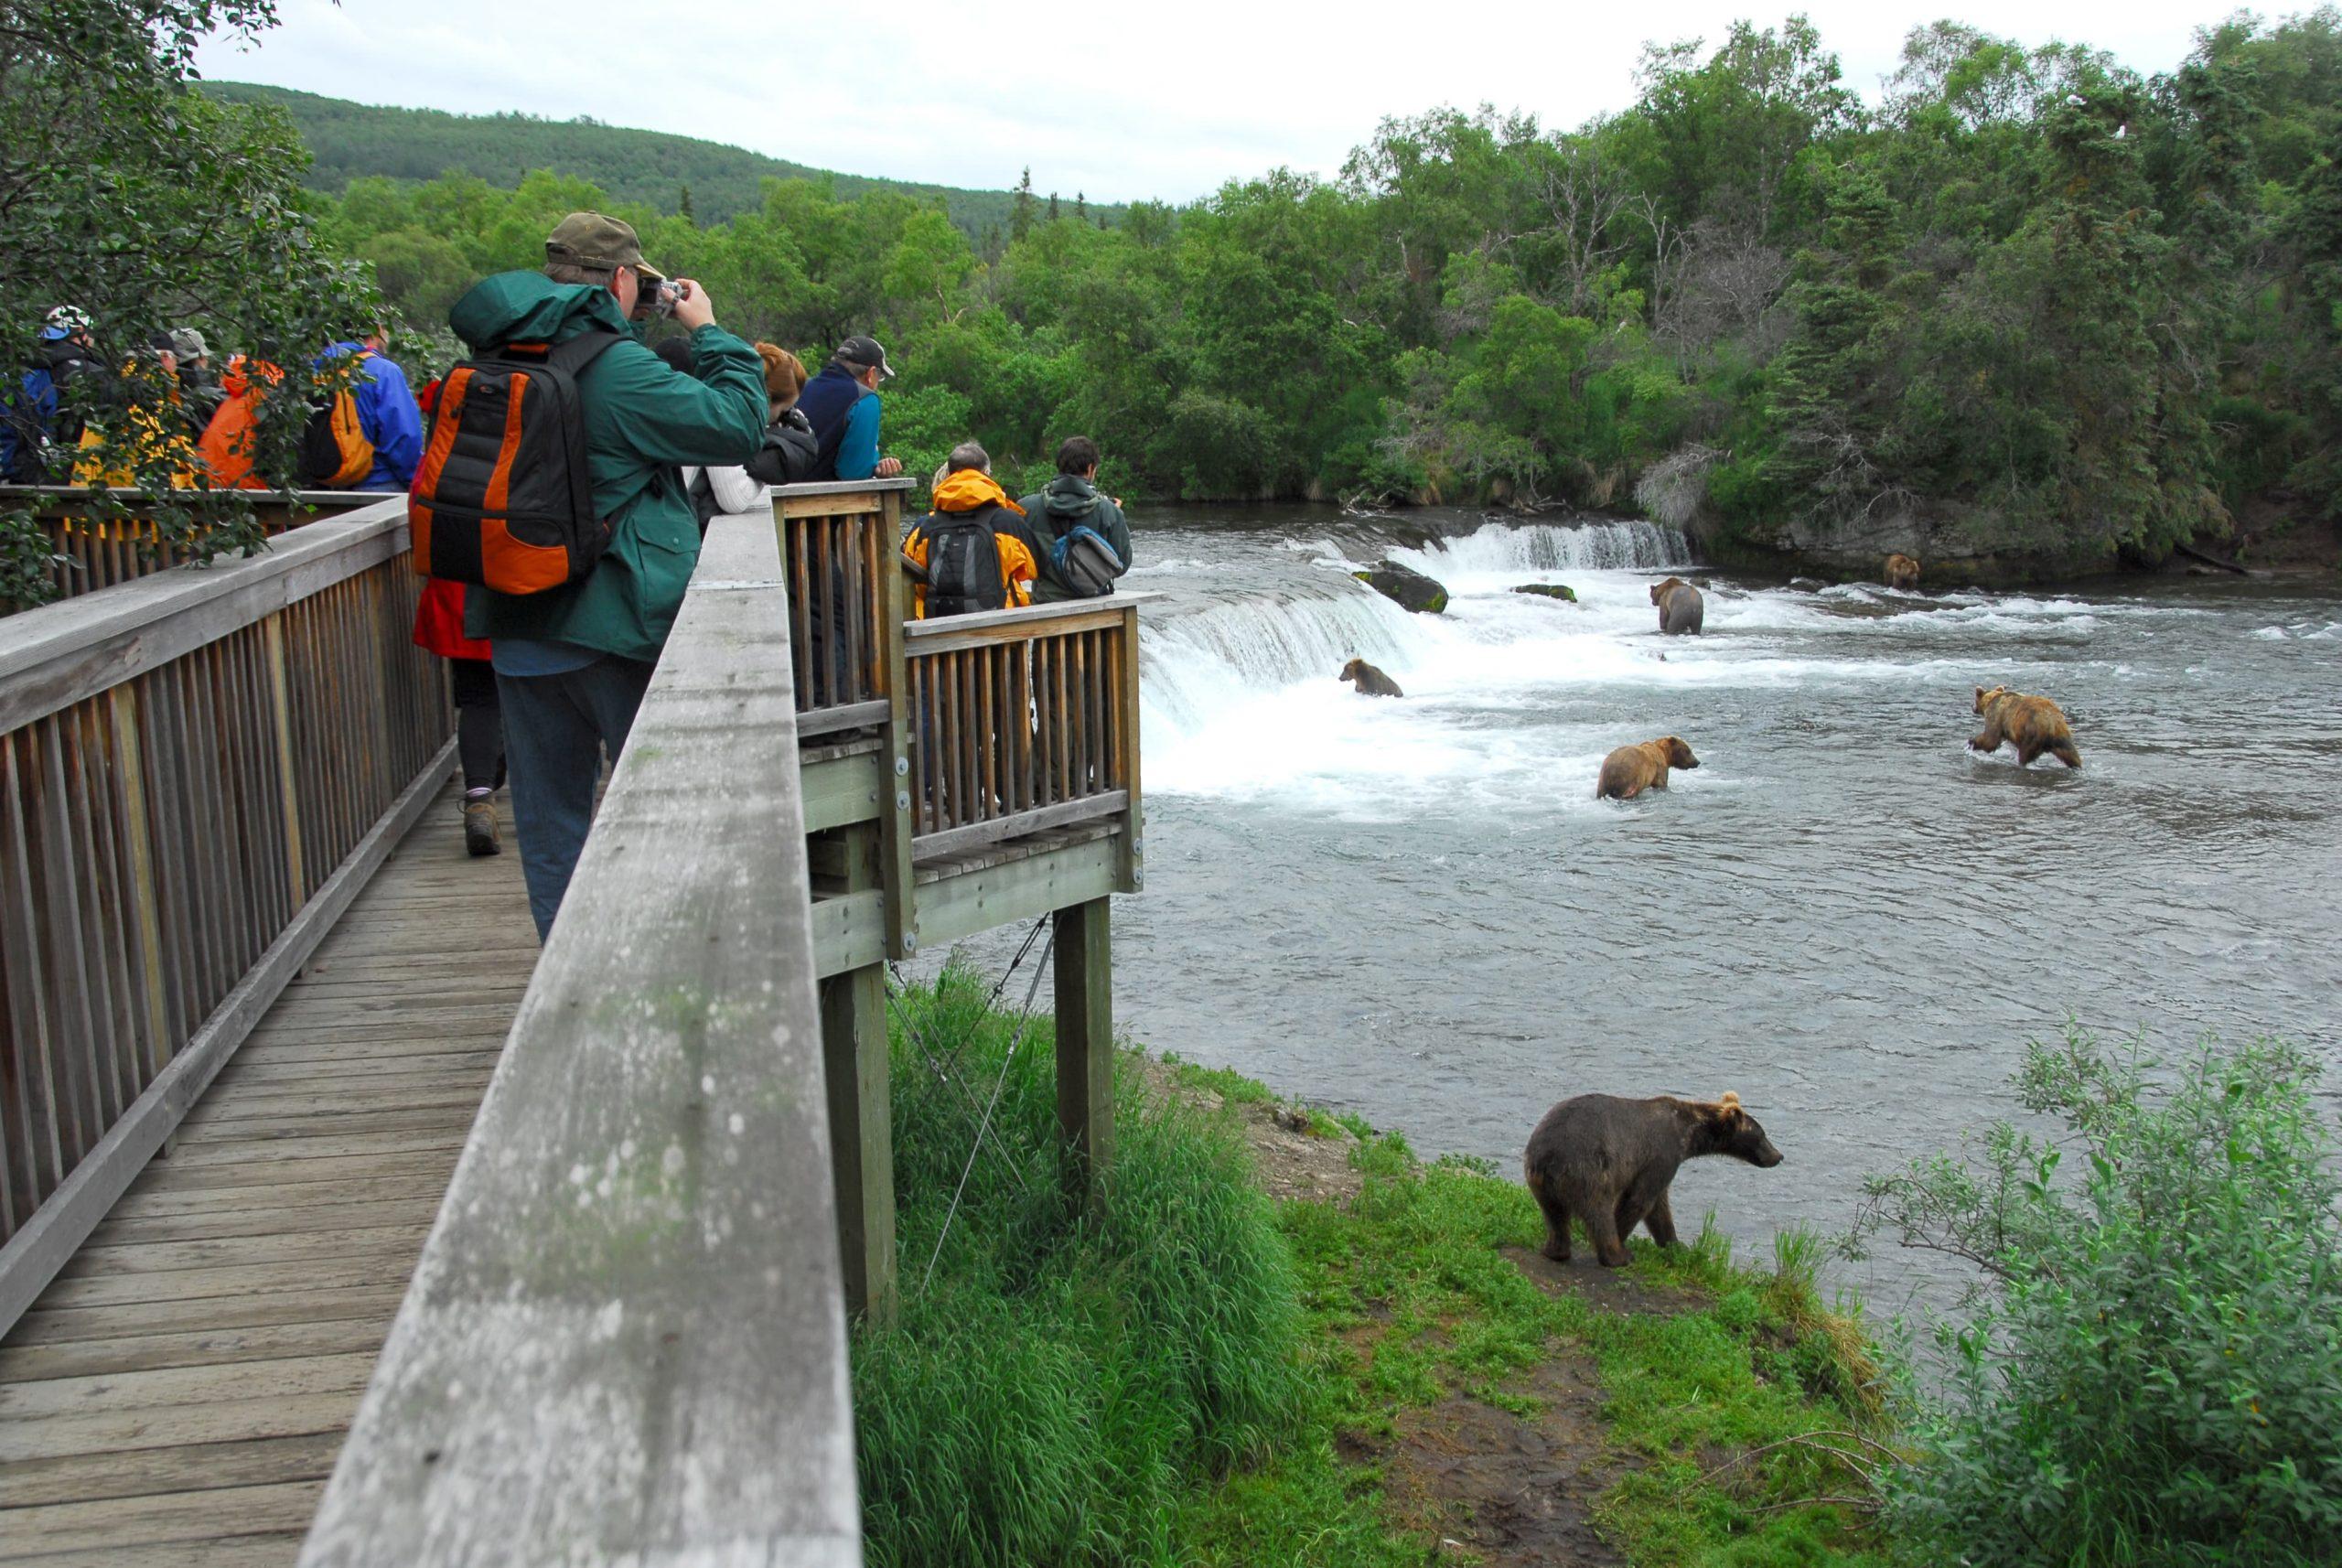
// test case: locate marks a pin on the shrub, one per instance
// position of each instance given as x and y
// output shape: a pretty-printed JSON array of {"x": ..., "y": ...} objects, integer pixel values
[
  {"x": 2150, "y": 1366},
  {"x": 1056, "y": 1388}
]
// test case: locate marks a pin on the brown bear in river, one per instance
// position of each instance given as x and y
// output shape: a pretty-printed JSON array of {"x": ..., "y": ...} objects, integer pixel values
[
  {"x": 1368, "y": 682},
  {"x": 1681, "y": 608},
  {"x": 2031, "y": 724},
  {"x": 1610, "y": 1161},
  {"x": 1902, "y": 573},
  {"x": 1631, "y": 769}
]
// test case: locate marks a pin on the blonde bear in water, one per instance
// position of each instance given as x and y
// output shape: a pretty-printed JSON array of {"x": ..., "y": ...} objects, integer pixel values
[
  {"x": 1631, "y": 769},
  {"x": 2031, "y": 724}
]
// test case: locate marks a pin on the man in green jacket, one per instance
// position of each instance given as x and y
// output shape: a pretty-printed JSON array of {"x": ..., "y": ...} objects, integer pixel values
[
  {"x": 572, "y": 662},
  {"x": 1071, "y": 499}
]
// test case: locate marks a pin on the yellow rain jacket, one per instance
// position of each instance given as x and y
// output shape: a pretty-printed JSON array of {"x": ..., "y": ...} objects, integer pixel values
[{"x": 971, "y": 489}]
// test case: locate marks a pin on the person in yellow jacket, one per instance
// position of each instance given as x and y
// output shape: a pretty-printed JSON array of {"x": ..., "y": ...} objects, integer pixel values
[
  {"x": 157, "y": 435},
  {"x": 965, "y": 555}
]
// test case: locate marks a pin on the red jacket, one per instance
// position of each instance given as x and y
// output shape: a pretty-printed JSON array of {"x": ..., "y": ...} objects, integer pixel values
[{"x": 440, "y": 616}]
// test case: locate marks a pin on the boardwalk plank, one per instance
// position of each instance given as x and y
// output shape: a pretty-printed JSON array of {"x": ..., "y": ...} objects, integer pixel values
[
  {"x": 29, "y": 1404},
  {"x": 137, "y": 1320},
  {"x": 178, "y": 1395},
  {"x": 174, "y": 1425},
  {"x": 272, "y": 1219},
  {"x": 266, "y": 1342},
  {"x": 149, "y": 1472},
  {"x": 287, "y": 1244},
  {"x": 172, "y": 1516}
]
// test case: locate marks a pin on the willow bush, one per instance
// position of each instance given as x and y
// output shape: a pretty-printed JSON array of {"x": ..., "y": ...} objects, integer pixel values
[{"x": 2149, "y": 1367}]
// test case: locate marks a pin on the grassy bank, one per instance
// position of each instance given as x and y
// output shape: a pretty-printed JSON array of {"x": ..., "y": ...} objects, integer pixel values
[{"x": 1206, "y": 1376}]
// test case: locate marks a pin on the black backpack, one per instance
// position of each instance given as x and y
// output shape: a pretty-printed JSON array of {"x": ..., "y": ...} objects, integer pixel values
[
  {"x": 502, "y": 497},
  {"x": 962, "y": 564}
]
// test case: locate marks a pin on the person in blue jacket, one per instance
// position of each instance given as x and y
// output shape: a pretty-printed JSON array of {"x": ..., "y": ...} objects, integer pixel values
[
  {"x": 386, "y": 410},
  {"x": 841, "y": 405},
  {"x": 29, "y": 421}
]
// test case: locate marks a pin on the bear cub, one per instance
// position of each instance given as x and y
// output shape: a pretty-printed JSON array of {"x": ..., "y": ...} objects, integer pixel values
[
  {"x": 1631, "y": 769},
  {"x": 2031, "y": 724},
  {"x": 1610, "y": 1161},
  {"x": 1368, "y": 682}
]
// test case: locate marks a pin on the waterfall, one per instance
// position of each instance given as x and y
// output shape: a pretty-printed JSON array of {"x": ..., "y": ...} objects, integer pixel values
[
  {"x": 1518, "y": 548},
  {"x": 1194, "y": 666}
]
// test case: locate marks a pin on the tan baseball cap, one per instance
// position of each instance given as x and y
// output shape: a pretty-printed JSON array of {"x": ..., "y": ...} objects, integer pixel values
[{"x": 598, "y": 240}]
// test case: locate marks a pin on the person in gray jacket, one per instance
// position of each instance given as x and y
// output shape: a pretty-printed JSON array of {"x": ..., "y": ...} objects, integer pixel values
[{"x": 1071, "y": 499}]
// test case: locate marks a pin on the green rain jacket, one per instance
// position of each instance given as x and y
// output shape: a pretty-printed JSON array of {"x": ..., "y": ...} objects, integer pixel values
[
  {"x": 1069, "y": 500},
  {"x": 642, "y": 419}
]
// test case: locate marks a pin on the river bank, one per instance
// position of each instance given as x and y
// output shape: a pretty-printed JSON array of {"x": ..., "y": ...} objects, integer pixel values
[{"x": 1289, "y": 1341}]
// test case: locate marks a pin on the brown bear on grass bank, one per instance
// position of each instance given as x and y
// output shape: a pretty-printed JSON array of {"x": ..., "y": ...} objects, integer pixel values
[
  {"x": 1368, "y": 682},
  {"x": 1631, "y": 769},
  {"x": 1681, "y": 608},
  {"x": 1902, "y": 573},
  {"x": 1610, "y": 1161},
  {"x": 2031, "y": 724}
]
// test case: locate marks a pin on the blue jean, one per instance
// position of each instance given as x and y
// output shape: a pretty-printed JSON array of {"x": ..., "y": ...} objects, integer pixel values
[{"x": 556, "y": 730}]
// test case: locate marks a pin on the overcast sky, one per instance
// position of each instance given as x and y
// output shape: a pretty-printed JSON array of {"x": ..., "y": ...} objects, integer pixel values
[{"x": 1167, "y": 103}]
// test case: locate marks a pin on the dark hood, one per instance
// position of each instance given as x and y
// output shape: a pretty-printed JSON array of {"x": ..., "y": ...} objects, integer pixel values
[{"x": 1070, "y": 497}]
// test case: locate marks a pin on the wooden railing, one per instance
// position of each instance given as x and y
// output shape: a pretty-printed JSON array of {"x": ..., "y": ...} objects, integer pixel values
[
  {"x": 1028, "y": 719},
  {"x": 198, "y": 771},
  {"x": 625, "y": 1342},
  {"x": 88, "y": 554},
  {"x": 838, "y": 545}
]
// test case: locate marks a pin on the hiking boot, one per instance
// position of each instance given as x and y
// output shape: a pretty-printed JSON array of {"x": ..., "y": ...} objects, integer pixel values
[{"x": 480, "y": 826}]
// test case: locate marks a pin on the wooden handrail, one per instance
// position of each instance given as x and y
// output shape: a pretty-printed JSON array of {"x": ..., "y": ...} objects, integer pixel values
[
  {"x": 1027, "y": 720},
  {"x": 198, "y": 770},
  {"x": 89, "y": 555},
  {"x": 625, "y": 1342}
]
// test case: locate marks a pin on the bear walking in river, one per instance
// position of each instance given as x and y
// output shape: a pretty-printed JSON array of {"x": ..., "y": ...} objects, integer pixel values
[
  {"x": 1902, "y": 573},
  {"x": 1631, "y": 769},
  {"x": 1367, "y": 681},
  {"x": 2031, "y": 724},
  {"x": 1681, "y": 608},
  {"x": 1610, "y": 1161}
]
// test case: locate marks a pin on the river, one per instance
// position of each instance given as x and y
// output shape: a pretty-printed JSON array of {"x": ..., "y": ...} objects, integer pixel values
[{"x": 1417, "y": 910}]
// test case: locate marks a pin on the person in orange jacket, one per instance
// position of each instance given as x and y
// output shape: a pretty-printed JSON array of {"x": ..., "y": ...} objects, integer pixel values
[
  {"x": 966, "y": 554},
  {"x": 226, "y": 447},
  {"x": 480, "y": 719}
]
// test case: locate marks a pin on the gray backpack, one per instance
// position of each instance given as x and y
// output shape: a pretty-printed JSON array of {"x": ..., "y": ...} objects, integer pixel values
[{"x": 1085, "y": 563}]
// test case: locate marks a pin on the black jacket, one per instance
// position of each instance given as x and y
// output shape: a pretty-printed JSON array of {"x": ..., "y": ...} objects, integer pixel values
[{"x": 788, "y": 454}]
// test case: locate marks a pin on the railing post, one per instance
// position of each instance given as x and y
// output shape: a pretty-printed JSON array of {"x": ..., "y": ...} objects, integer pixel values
[
  {"x": 122, "y": 706},
  {"x": 862, "y": 1137},
  {"x": 899, "y": 822},
  {"x": 1130, "y": 869},
  {"x": 1085, "y": 1028},
  {"x": 288, "y": 776}
]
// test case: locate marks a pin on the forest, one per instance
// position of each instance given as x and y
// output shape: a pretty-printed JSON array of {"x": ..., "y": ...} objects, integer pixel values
[
  {"x": 709, "y": 180},
  {"x": 2029, "y": 307}
]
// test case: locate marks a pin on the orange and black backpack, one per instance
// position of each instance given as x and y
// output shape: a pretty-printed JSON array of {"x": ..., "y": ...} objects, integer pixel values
[
  {"x": 502, "y": 497},
  {"x": 335, "y": 452}
]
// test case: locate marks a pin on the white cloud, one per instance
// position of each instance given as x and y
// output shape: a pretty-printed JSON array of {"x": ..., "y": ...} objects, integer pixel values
[{"x": 1119, "y": 102}]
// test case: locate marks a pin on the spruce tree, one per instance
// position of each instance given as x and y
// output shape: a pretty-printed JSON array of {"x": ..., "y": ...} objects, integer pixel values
[{"x": 1020, "y": 211}]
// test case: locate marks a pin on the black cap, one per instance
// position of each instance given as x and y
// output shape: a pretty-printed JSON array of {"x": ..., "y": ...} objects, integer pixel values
[{"x": 866, "y": 352}]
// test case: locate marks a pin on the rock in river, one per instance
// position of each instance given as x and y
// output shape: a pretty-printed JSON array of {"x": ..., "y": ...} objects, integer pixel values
[
  {"x": 1412, "y": 590},
  {"x": 1549, "y": 591}
]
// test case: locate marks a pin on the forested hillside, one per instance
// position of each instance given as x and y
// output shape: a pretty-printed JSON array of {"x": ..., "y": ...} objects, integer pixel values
[
  {"x": 2032, "y": 312},
  {"x": 650, "y": 169}
]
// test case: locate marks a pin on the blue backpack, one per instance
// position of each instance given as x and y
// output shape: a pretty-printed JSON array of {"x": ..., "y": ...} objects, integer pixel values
[{"x": 1085, "y": 563}]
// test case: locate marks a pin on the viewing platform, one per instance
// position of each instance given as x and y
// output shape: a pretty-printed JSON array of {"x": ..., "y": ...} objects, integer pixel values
[{"x": 341, "y": 1225}]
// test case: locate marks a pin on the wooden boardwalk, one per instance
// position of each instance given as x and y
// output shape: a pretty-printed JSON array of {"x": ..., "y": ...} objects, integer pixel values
[{"x": 178, "y": 1394}]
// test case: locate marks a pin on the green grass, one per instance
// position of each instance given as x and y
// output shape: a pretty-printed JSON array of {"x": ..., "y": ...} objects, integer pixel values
[
  {"x": 1179, "y": 1383},
  {"x": 1058, "y": 1387}
]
